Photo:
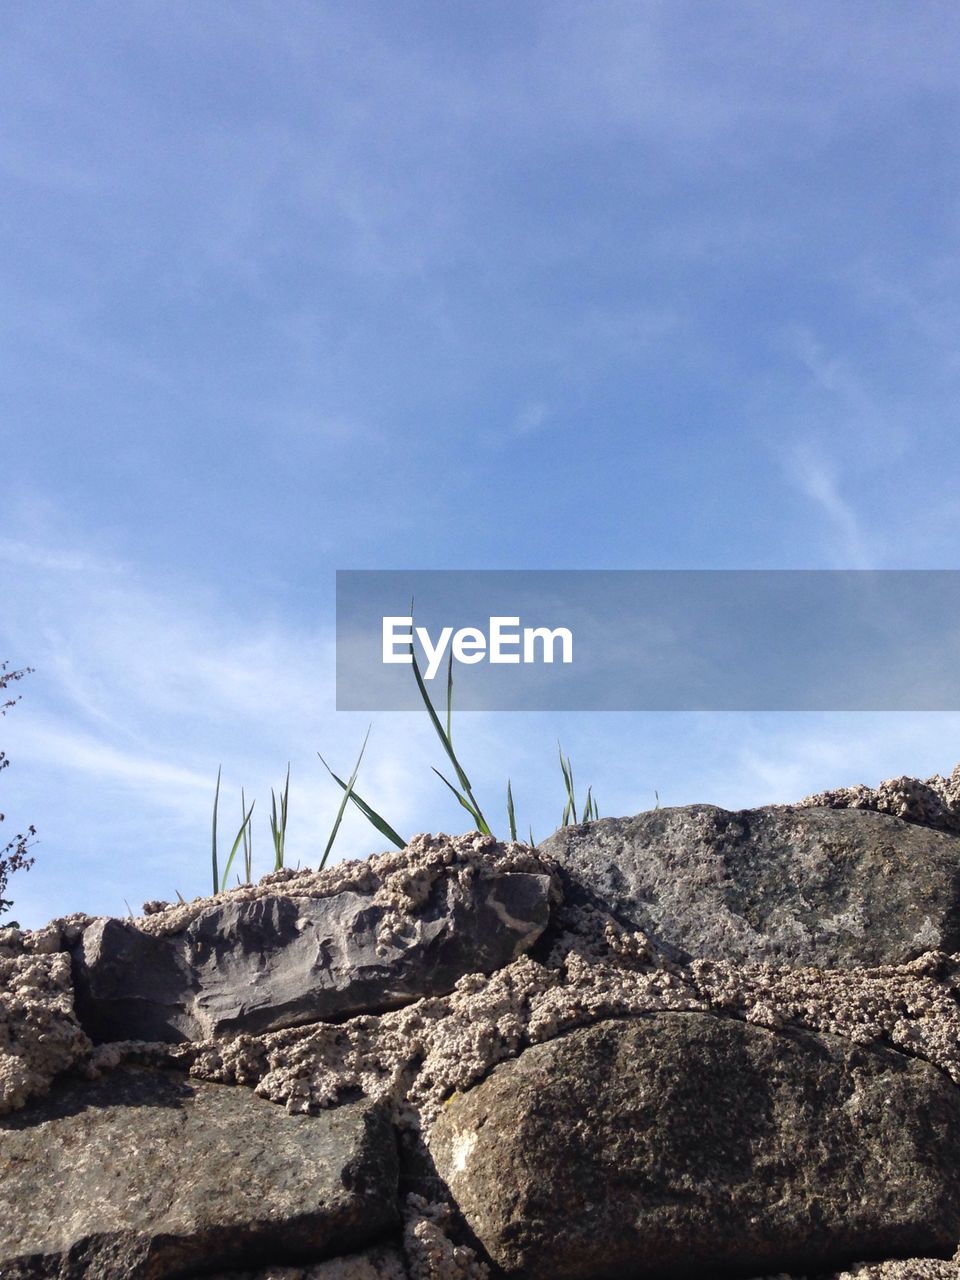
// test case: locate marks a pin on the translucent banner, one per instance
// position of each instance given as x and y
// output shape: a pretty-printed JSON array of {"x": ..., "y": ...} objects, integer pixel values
[{"x": 650, "y": 640}]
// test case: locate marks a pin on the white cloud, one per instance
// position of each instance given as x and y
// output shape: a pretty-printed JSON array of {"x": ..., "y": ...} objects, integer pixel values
[
  {"x": 817, "y": 477},
  {"x": 531, "y": 417}
]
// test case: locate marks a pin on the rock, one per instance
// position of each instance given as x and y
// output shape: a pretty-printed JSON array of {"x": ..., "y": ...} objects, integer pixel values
[
  {"x": 799, "y": 886},
  {"x": 909, "y": 1269},
  {"x": 686, "y": 1144},
  {"x": 690, "y": 1043},
  {"x": 149, "y": 1174},
  {"x": 313, "y": 951},
  {"x": 934, "y": 802},
  {"x": 431, "y": 1252},
  {"x": 373, "y": 1264},
  {"x": 901, "y": 1269},
  {"x": 39, "y": 1034}
]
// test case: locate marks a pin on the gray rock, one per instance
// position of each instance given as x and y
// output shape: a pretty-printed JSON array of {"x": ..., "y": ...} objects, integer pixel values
[
  {"x": 684, "y": 1144},
  {"x": 799, "y": 886},
  {"x": 148, "y": 1174},
  {"x": 384, "y": 1263},
  {"x": 278, "y": 961},
  {"x": 899, "y": 1269}
]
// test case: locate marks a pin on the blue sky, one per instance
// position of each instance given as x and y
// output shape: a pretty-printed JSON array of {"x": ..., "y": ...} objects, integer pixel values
[{"x": 304, "y": 286}]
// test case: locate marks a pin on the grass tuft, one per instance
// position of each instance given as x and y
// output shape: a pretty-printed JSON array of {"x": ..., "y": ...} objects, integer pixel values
[
  {"x": 278, "y": 822},
  {"x": 461, "y": 790}
]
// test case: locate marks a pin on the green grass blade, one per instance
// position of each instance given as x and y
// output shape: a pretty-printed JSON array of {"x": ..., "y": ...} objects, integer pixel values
[
  {"x": 370, "y": 814},
  {"x": 450, "y": 697},
  {"x": 588, "y": 806},
  {"x": 511, "y": 814},
  {"x": 347, "y": 793},
  {"x": 532, "y": 841},
  {"x": 274, "y": 829},
  {"x": 567, "y": 769},
  {"x": 462, "y": 799},
  {"x": 247, "y": 841},
  {"x": 462, "y": 778},
  {"x": 278, "y": 825},
  {"x": 216, "y": 805},
  {"x": 237, "y": 842},
  {"x": 435, "y": 719}
]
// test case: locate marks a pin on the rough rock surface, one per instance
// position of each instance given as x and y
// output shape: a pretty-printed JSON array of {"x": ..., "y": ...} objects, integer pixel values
[
  {"x": 825, "y": 925},
  {"x": 665, "y": 1146},
  {"x": 934, "y": 802},
  {"x": 372, "y": 1264},
  {"x": 149, "y": 1174},
  {"x": 39, "y": 1033},
  {"x": 423, "y": 1053},
  {"x": 910, "y": 1269},
  {"x": 903, "y": 1269},
  {"x": 794, "y": 885},
  {"x": 321, "y": 946}
]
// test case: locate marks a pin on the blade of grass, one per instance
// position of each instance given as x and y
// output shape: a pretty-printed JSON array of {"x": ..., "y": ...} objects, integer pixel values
[
  {"x": 570, "y": 811},
  {"x": 347, "y": 793},
  {"x": 450, "y": 698},
  {"x": 236, "y": 844},
  {"x": 532, "y": 841},
  {"x": 247, "y": 841},
  {"x": 588, "y": 808},
  {"x": 370, "y": 814},
  {"x": 216, "y": 805},
  {"x": 462, "y": 778},
  {"x": 278, "y": 829},
  {"x": 462, "y": 799},
  {"x": 511, "y": 814}
]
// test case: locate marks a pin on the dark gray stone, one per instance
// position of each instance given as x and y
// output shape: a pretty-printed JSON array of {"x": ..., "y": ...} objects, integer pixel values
[
  {"x": 280, "y": 961},
  {"x": 800, "y": 886},
  {"x": 685, "y": 1145},
  {"x": 382, "y": 1263},
  {"x": 149, "y": 1174}
]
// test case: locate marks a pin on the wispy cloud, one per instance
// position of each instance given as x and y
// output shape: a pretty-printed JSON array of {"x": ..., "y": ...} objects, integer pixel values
[
  {"x": 817, "y": 477},
  {"x": 531, "y": 417},
  {"x": 142, "y": 693}
]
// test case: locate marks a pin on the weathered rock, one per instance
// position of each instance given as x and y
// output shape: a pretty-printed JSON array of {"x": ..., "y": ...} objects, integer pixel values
[
  {"x": 259, "y": 963},
  {"x": 148, "y": 1174},
  {"x": 799, "y": 886},
  {"x": 39, "y": 1034},
  {"x": 901, "y": 1269},
  {"x": 934, "y": 802},
  {"x": 908, "y": 1269},
  {"x": 384, "y": 1263},
  {"x": 685, "y": 1144}
]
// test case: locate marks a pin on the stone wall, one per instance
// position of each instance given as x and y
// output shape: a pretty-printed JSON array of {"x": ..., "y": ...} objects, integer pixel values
[{"x": 691, "y": 1043}]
